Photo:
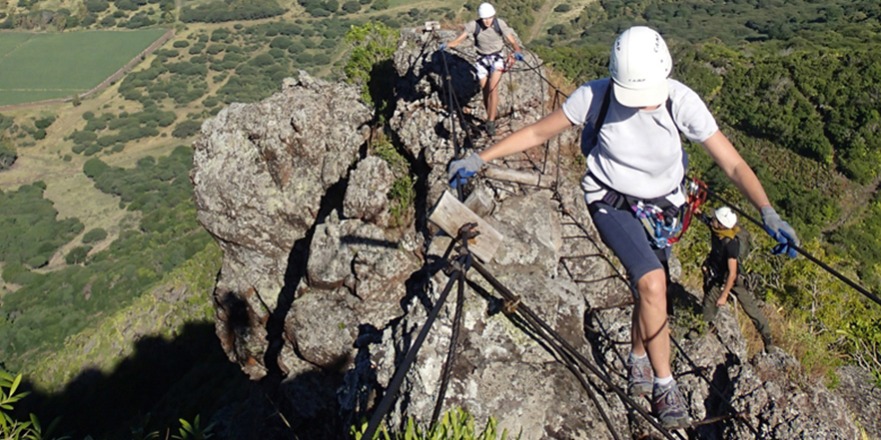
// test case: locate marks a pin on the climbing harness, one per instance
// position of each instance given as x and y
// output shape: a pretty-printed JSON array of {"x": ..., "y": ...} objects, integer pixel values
[{"x": 664, "y": 223}]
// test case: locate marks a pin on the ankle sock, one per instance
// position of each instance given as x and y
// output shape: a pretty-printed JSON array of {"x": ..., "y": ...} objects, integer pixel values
[{"x": 663, "y": 380}]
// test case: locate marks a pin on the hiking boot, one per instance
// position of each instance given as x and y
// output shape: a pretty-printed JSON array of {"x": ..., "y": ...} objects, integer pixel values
[
  {"x": 668, "y": 405},
  {"x": 491, "y": 128},
  {"x": 767, "y": 342},
  {"x": 640, "y": 377}
]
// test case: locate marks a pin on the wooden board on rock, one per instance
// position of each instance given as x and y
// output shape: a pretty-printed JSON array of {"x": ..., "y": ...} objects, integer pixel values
[{"x": 450, "y": 214}]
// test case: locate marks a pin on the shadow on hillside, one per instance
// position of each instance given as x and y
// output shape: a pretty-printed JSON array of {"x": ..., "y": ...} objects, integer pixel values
[{"x": 163, "y": 381}]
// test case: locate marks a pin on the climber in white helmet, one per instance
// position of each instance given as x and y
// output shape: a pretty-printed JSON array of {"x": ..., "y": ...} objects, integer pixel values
[
  {"x": 489, "y": 34},
  {"x": 635, "y": 161}
]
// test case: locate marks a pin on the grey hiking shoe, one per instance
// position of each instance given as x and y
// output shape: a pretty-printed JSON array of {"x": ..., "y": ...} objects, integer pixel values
[
  {"x": 491, "y": 128},
  {"x": 640, "y": 377},
  {"x": 668, "y": 405}
]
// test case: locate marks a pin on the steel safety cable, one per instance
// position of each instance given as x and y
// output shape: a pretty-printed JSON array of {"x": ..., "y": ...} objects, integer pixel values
[{"x": 527, "y": 313}]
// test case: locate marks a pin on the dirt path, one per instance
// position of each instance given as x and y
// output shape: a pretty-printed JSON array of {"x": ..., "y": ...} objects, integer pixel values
[
  {"x": 854, "y": 204},
  {"x": 541, "y": 19}
]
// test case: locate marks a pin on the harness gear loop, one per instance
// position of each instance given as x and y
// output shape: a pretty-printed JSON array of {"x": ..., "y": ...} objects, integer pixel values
[{"x": 666, "y": 225}]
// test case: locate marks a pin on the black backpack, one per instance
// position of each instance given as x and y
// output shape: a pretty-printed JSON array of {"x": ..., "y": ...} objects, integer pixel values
[
  {"x": 745, "y": 239},
  {"x": 715, "y": 273}
]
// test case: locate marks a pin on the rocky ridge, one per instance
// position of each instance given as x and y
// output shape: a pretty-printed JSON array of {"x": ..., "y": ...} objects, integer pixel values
[{"x": 320, "y": 297}]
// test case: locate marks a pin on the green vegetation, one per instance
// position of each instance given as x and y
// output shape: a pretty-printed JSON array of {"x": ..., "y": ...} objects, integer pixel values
[
  {"x": 94, "y": 235},
  {"x": 370, "y": 64},
  {"x": 52, "y": 306},
  {"x": 8, "y": 154},
  {"x": 236, "y": 10},
  {"x": 12, "y": 428},
  {"x": 30, "y": 232},
  {"x": 80, "y": 61},
  {"x": 402, "y": 194},
  {"x": 454, "y": 424},
  {"x": 792, "y": 22}
]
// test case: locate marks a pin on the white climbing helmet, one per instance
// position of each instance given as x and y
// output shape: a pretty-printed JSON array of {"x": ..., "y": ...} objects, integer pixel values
[
  {"x": 726, "y": 217},
  {"x": 640, "y": 64},
  {"x": 486, "y": 10}
]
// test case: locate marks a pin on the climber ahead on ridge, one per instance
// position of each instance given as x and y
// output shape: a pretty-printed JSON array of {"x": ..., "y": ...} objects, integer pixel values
[
  {"x": 489, "y": 33},
  {"x": 635, "y": 167}
]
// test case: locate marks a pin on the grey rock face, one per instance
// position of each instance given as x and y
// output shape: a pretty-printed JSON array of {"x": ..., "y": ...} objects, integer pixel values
[
  {"x": 366, "y": 193},
  {"x": 261, "y": 171},
  {"x": 320, "y": 293}
]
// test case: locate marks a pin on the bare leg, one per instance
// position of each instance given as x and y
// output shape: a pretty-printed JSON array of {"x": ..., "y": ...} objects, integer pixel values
[
  {"x": 650, "y": 321},
  {"x": 491, "y": 94}
]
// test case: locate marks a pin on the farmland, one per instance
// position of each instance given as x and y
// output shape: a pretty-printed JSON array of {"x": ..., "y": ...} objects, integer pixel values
[{"x": 80, "y": 61}]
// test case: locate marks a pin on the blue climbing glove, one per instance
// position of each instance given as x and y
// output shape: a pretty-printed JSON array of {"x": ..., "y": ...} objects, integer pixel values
[
  {"x": 518, "y": 56},
  {"x": 780, "y": 231},
  {"x": 463, "y": 169},
  {"x": 442, "y": 47}
]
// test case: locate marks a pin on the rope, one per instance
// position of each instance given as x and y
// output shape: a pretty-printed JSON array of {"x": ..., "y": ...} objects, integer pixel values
[{"x": 451, "y": 354}]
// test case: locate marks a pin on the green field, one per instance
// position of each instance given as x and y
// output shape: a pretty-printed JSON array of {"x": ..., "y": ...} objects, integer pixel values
[{"x": 36, "y": 66}]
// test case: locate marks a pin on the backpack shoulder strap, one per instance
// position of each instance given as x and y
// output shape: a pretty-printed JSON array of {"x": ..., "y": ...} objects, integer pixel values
[
  {"x": 604, "y": 109},
  {"x": 669, "y": 105},
  {"x": 601, "y": 116},
  {"x": 479, "y": 28}
]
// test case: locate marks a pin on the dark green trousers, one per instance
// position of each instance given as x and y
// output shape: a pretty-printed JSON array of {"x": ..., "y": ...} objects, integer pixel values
[{"x": 746, "y": 299}]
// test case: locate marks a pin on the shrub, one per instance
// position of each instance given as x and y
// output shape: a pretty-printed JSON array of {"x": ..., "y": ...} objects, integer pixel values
[
  {"x": 78, "y": 255},
  {"x": 97, "y": 5},
  {"x": 565, "y": 7},
  {"x": 94, "y": 235},
  {"x": 8, "y": 154},
  {"x": 351, "y": 6},
  {"x": 45, "y": 122},
  {"x": 455, "y": 423},
  {"x": 186, "y": 129}
]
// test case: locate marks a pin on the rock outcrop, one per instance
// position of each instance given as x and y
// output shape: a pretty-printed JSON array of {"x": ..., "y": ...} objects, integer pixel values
[{"x": 320, "y": 295}]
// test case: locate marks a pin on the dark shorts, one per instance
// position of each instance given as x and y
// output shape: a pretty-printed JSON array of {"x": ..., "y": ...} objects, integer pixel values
[{"x": 622, "y": 232}]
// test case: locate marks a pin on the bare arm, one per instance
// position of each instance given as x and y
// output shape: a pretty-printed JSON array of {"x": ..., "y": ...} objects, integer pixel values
[
  {"x": 458, "y": 40},
  {"x": 726, "y": 156},
  {"x": 527, "y": 137},
  {"x": 514, "y": 42},
  {"x": 729, "y": 282}
]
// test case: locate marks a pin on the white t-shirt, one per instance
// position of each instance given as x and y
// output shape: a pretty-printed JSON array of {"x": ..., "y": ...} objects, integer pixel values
[
  {"x": 489, "y": 41},
  {"x": 638, "y": 152}
]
